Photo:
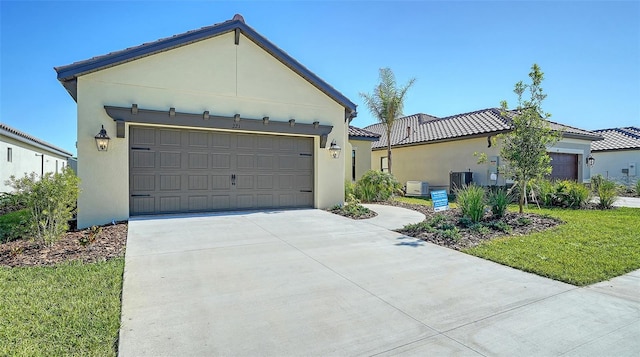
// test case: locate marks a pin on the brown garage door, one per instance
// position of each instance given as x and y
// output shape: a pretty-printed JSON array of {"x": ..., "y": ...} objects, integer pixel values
[
  {"x": 564, "y": 166},
  {"x": 177, "y": 170}
]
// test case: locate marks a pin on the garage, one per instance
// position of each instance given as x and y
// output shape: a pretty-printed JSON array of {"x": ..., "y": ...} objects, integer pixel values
[
  {"x": 183, "y": 170},
  {"x": 564, "y": 166}
]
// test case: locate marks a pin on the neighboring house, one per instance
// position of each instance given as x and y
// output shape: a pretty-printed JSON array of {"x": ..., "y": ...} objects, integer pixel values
[
  {"x": 217, "y": 118},
  {"x": 359, "y": 147},
  {"x": 21, "y": 154},
  {"x": 427, "y": 148},
  {"x": 617, "y": 156}
]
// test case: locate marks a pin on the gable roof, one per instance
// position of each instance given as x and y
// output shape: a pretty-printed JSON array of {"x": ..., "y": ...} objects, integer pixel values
[
  {"x": 361, "y": 134},
  {"x": 31, "y": 140},
  {"x": 68, "y": 74},
  {"x": 423, "y": 128},
  {"x": 627, "y": 138}
]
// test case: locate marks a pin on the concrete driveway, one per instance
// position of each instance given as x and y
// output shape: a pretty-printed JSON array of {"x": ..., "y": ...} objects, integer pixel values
[{"x": 307, "y": 282}]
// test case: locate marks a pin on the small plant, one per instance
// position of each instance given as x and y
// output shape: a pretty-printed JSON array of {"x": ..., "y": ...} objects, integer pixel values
[
  {"x": 376, "y": 186},
  {"x": 451, "y": 233},
  {"x": 499, "y": 200},
  {"x": 423, "y": 226},
  {"x": 596, "y": 180},
  {"x": 465, "y": 221},
  {"x": 637, "y": 188},
  {"x": 349, "y": 188},
  {"x": 607, "y": 191},
  {"x": 90, "y": 236},
  {"x": 501, "y": 226},
  {"x": 14, "y": 225},
  {"x": 480, "y": 229},
  {"x": 437, "y": 220},
  {"x": 523, "y": 221},
  {"x": 571, "y": 194},
  {"x": 471, "y": 200},
  {"x": 51, "y": 201}
]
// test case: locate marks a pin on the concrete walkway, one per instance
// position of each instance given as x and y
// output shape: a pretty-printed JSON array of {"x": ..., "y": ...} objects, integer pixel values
[
  {"x": 391, "y": 217},
  {"x": 633, "y": 202},
  {"x": 307, "y": 282}
]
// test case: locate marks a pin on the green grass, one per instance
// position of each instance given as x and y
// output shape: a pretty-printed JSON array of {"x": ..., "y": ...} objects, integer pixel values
[
  {"x": 592, "y": 246},
  {"x": 70, "y": 309}
]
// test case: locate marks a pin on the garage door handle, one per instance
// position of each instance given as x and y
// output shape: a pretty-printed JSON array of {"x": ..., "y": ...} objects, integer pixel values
[
  {"x": 137, "y": 148},
  {"x": 306, "y": 191},
  {"x": 140, "y": 195},
  {"x": 233, "y": 179}
]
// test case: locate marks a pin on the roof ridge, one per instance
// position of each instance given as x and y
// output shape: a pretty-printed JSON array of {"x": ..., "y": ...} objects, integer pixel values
[{"x": 32, "y": 138}]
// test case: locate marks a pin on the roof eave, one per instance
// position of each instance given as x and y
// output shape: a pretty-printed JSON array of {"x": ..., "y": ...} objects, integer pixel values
[{"x": 363, "y": 138}]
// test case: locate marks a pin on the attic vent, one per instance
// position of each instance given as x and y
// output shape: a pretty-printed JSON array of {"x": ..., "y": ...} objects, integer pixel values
[
  {"x": 408, "y": 131},
  {"x": 238, "y": 17}
]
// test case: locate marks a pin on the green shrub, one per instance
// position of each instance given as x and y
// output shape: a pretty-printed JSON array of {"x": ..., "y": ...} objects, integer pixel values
[
  {"x": 480, "y": 228},
  {"x": 607, "y": 191},
  {"x": 523, "y": 221},
  {"x": 638, "y": 188},
  {"x": 451, "y": 233},
  {"x": 51, "y": 202},
  {"x": 471, "y": 200},
  {"x": 499, "y": 200},
  {"x": 596, "y": 180},
  {"x": 571, "y": 194},
  {"x": 349, "y": 188},
  {"x": 501, "y": 226},
  {"x": 376, "y": 186},
  {"x": 543, "y": 191},
  {"x": 10, "y": 202},
  {"x": 14, "y": 225},
  {"x": 437, "y": 220},
  {"x": 423, "y": 226}
]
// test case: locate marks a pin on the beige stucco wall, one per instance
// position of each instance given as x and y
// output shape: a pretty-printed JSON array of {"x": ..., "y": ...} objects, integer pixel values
[
  {"x": 433, "y": 162},
  {"x": 24, "y": 161},
  {"x": 214, "y": 75},
  {"x": 363, "y": 158},
  {"x": 610, "y": 164}
]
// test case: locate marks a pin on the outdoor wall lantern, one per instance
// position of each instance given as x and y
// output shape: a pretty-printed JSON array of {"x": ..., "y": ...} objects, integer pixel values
[
  {"x": 591, "y": 160},
  {"x": 102, "y": 140},
  {"x": 334, "y": 149}
]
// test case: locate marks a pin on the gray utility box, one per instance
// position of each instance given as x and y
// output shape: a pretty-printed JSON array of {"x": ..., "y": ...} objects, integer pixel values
[
  {"x": 417, "y": 188},
  {"x": 458, "y": 180}
]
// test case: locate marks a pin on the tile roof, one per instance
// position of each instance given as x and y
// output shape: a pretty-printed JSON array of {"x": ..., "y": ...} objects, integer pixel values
[
  {"x": 357, "y": 133},
  {"x": 618, "y": 139},
  {"x": 24, "y": 137},
  {"x": 424, "y": 128},
  {"x": 68, "y": 74}
]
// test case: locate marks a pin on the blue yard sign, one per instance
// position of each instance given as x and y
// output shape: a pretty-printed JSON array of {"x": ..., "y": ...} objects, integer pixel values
[{"x": 440, "y": 200}]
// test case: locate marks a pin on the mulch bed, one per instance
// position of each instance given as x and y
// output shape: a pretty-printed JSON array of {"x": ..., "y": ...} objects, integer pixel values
[
  {"x": 341, "y": 212},
  {"x": 470, "y": 238},
  {"x": 80, "y": 245}
]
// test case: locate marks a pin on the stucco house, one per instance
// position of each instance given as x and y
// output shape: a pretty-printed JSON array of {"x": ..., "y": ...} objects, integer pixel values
[
  {"x": 618, "y": 155},
  {"x": 23, "y": 154},
  {"x": 358, "y": 153},
  {"x": 427, "y": 148},
  {"x": 217, "y": 118}
]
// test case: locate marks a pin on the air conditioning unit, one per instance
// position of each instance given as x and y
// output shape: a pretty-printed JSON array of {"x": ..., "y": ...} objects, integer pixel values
[{"x": 417, "y": 188}]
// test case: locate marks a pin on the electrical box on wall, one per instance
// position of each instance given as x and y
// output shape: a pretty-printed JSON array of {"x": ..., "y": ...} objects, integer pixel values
[
  {"x": 494, "y": 161},
  {"x": 632, "y": 169}
]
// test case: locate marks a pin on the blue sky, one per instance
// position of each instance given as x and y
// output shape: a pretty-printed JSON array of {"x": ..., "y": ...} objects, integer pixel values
[{"x": 465, "y": 55}]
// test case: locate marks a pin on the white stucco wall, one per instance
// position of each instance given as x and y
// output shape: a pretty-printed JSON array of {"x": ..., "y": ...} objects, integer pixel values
[
  {"x": 610, "y": 164},
  {"x": 214, "y": 75},
  {"x": 433, "y": 162},
  {"x": 24, "y": 161}
]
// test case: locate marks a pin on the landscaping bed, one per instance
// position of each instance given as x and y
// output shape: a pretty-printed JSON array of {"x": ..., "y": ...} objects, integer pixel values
[
  {"x": 446, "y": 229},
  {"x": 87, "y": 245}
]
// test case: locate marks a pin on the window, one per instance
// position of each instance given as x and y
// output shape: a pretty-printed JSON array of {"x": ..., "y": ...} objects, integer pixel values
[
  {"x": 9, "y": 155},
  {"x": 384, "y": 164},
  {"x": 353, "y": 165}
]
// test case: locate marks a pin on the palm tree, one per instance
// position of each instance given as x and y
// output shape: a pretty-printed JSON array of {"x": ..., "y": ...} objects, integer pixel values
[{"x": 386, "y": 103}]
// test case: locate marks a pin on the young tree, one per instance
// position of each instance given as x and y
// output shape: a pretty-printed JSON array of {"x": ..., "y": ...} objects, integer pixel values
[
  {"x": 525, "y": 146},
  {"x": 386, "y": 103}
]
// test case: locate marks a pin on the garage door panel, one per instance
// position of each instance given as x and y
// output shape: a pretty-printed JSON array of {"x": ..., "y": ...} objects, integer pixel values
[
  {"x": 192, "y": 170},
  {"x": 221, "y": 161},
  {"x": 221, "y": 182},
  {"x": 170, "y": 160},
  {"x": 143, "y": 159},
  {"x": 198, "y": 182},
  {"x": 198, "y": 160},
  {"x": 198, "y": 203},
  {"x": 170, "y": 137},
  {"x": 170, "y": 204},
  {"x": 170, "y": 183}
]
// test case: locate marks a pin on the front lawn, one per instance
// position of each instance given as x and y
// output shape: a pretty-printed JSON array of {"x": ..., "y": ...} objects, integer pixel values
[
  {"x": 67, "y": 309},
  {"x": 592, "y": 246}
]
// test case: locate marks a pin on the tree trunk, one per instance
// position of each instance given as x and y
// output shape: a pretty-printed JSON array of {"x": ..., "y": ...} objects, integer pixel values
[
  {"x": 389, "y": 158},
  {"x": 523, "y": 193}
]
